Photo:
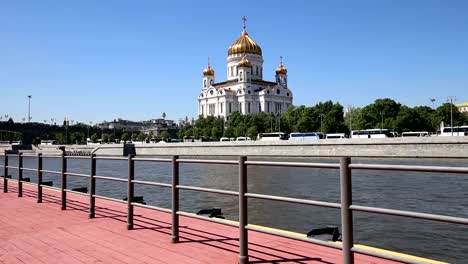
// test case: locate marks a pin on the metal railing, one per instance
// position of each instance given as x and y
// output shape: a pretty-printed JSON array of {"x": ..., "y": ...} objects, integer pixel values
[{"x": 344, "y": 166}]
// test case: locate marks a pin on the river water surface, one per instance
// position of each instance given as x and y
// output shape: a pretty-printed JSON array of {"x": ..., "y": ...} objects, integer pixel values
[{"x": 437, "y": 193}]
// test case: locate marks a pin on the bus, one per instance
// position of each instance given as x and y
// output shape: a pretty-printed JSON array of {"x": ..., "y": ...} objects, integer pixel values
[
  {"x": 272, "y": 136},
  {"x": 457, "y": 131},
  {"x": 48, "y": 142},
  {"x": 305, "y": 136},
  {"x": 415, "y": 134},
  {"x": 373, "y": 133},
  {"x": 336, "y": 135}
]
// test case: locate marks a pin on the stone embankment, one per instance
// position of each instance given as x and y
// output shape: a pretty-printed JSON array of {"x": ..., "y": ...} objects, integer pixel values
[{"x": 430, "y": 147}]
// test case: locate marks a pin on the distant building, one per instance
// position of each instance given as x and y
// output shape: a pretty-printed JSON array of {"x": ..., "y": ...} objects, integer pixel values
[
  {"x": 463, "y": 108},
  {"x": 154, "y": 125},
  {"x": 244, "y": 91}
]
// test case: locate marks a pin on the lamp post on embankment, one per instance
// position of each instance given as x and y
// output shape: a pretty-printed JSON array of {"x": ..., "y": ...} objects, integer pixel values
[{"x": 451, "y": 99}]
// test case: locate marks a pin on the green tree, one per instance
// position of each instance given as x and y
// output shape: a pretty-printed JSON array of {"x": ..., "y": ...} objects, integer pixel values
[
  {"x": 141, "y": 136},
  {"x": 125, "y": 137},
  {"x": 105, "y": 138},
  {"x": 165, "y": 135},
  {"x": 150, "y": 136},
  {"x": 371, "y": 116},
  {"x": 94, "y": 138},
  {"x": 188, "y": 132},
  {"x": 426, "y": 114},
  {"x": 252, "y": 132},
  {"x": 443, "y": 113},
  {"x": 216, "y": 132}
]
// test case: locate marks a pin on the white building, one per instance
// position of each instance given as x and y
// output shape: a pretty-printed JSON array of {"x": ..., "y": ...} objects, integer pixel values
[{"x": 244, "y": 91}]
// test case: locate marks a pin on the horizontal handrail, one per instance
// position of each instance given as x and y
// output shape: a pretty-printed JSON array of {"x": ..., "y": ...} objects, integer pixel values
[
  {"x": 109, "y": 198},
  {"x": 159, "y": 184},
  {"x": 410, "y": 214},
  {"x": 293, "y": 200},
  {"x": 110, "y": 178},
  {"x": 28, "y": 155},
  {"x": 152, "y": 159},
  {"x": 408, "y": 168},
  {"x": 77, "y": 174},
  {"x": 12, "y": 167},
  {"x": 210, "y": 190},
  {"x": 110, "y": 158},
  {"x": 51, "y": 171},
  {"x": 75, "y": 192},
  {"x": 28, "y": 169},
  {"x": 202, "y": 161},
  {"x": 296, "y": 237},
  {"x": 294, "y": 164}
]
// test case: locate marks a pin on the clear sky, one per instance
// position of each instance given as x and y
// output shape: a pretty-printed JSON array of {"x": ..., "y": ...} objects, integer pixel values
[{"x": 99, "y": 60}]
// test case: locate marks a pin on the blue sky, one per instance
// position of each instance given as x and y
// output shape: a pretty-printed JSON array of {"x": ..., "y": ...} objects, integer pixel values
[{"x": 100, "y": 60}]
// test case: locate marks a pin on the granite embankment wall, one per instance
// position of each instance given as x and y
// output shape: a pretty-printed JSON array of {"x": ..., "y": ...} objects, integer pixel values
[
  {"x": 433, "y": 147},
  {"x": 430, "y": 147}
]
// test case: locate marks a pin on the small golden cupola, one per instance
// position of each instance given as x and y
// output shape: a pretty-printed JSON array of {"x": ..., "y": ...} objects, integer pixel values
[
  {"x": 281, "y": 69},
  {"x": 208, "y": 71},
  {"x": 244, "y": 62},
  {"x": 244, "y": 44}
]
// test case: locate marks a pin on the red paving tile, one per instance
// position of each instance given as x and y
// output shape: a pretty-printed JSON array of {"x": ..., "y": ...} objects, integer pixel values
[{"x": 42, "y": 233}]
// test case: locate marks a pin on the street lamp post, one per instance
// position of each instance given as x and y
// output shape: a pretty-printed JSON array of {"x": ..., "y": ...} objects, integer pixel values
[
  {"x": 29, "y": 108},
  {"x": 321, "y": 122},
  {"x": 350, "y": 107},
  {"x": 381, "y": 115},
  {"x": 279, "y": 122},
  {"x": 451, "y": 99}
]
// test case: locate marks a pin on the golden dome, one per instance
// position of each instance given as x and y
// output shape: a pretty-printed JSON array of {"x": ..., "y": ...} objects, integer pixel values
[
  {"x": 208, "y": 71},
  {"x": 244, "y": 63},
  {"x": 281, "y": 69},
  {"x": 244, "y": 44}
]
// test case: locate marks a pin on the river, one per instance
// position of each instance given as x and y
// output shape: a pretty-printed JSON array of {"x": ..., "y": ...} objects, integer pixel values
[{"x": 437, "y": 193}]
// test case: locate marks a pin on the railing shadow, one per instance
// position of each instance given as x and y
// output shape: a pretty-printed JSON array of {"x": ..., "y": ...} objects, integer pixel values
[{"x": 187, "y": 234}]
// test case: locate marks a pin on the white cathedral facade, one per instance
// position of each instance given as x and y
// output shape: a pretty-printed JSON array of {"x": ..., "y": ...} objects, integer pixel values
[{"x": 244, "y": 91}]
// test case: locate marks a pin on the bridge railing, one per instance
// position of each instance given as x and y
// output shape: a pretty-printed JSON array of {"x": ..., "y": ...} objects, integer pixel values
[{"x": 346, "y": 206}]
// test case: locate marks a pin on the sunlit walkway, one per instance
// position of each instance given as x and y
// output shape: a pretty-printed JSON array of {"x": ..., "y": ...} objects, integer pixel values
[{"x": 42, "y": 233}]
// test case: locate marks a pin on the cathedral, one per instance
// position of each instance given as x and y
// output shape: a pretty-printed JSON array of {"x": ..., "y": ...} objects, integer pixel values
[{"x": 244, "y": 91}]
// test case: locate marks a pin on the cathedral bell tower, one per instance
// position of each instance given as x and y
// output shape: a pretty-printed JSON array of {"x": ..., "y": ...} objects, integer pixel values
[
  {"x": 245, "y": 68},
  {"x": 282, "y": 74},
  {"x": 208, "y": 76}
]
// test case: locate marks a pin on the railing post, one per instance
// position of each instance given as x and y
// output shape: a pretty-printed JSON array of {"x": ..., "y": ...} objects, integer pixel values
[
  {"x": 243, "y": 235},
  {"x": 20, "y": 174},
  {"x": 130, "y": 191},
  {"x": 39, "y": 177},
  {"x": 92, "y": 186},
  {"x": 175, "y": 199},
  {"x": 64, "y": 182},
  {"x": 346, "y": 212},
  {"x": 5, "y": 173}
]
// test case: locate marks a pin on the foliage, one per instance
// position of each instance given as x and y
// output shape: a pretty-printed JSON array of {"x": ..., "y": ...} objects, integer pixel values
[
  {"x": 94, "y": 138},
  {"x": 125, "y": 137},
  {"x": 165, "y": 135}
]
